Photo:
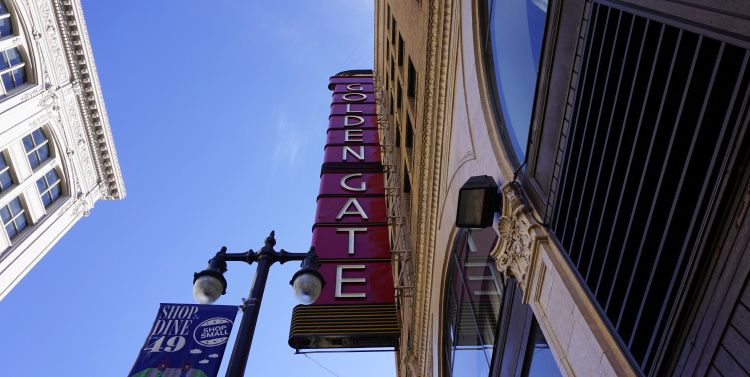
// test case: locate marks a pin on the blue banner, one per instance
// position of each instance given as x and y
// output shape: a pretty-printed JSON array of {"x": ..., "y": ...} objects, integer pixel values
[{"x": 186, "y": 341}]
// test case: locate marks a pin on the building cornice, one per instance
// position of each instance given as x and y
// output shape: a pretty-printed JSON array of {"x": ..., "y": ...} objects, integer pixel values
[{"x": 80, "y": 60}]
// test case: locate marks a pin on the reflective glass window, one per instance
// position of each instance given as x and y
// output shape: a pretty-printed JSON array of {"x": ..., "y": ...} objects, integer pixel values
[
  {"x": 516, "y": 33},
  {"x": 473, "y": 300},
  {"x": 6, "y": 28},
  {"x": 539, "y": 360},
  {"x": 12, "y": 69}
]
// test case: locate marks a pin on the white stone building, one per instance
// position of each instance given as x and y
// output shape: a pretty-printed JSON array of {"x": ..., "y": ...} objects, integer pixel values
[{"x": 57, "y": 156}]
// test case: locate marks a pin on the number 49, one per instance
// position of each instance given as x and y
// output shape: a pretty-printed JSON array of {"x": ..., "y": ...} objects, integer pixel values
[{"x": 174, "y": 344}]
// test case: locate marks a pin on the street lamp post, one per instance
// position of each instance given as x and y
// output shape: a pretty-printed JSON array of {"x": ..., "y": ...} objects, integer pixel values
[{"x": 209, "y": 284}]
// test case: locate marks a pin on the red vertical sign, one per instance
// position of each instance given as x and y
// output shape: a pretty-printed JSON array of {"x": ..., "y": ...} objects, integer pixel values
[{"x": 350, "y": 233}]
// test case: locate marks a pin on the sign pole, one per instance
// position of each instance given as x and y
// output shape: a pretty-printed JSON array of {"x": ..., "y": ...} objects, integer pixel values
[{"x": 250, "y": 310}]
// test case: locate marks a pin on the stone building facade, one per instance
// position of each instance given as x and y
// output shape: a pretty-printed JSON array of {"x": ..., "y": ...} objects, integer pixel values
[
  {"x": 617, "y": 133},
  {"x": 57, "y": 153}
]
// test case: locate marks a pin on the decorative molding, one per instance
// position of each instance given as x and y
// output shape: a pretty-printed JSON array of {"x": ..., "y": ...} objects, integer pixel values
[
  {"x": 412, "y": 363},
  {"x": 103, "y": 162},
  {"x": 518, "y": 247},
  {"x": 53, "y": 44},
  {"x": 80, "y": 143},
  {"x": 48, "y": 100},
  {"x": 430, "y": 158}
]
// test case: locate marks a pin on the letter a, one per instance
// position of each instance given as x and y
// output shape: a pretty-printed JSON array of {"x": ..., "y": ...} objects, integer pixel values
[{"x": 348, "y": 204}]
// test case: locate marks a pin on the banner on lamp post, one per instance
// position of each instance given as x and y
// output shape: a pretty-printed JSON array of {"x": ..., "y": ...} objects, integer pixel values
[{"x": 186, "y": 340}]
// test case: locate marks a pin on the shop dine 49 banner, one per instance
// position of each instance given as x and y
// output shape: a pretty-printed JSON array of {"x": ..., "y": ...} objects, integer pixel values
[{"x": 186, "y": 340}]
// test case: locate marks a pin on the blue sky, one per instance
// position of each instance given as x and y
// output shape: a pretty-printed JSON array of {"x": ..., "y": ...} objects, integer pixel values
[{"x": 219, "y": 111}]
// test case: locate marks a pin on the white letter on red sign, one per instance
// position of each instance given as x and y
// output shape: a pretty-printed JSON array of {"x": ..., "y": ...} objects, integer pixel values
[
  {"x": 360, "y": 156},
  {"x": 360, "y": 120},
  {"x": 351, "y": 236},
  {"x": 349, "y": 135},
  {"x": 349, "y": 109},
  {"x": 358, "y": 97},
  {"x": 359, "y": 210},
  {"x": 340, "y": 279},
  {"x": 362, "y": 185},
  {"x": 359, "y": 89}
]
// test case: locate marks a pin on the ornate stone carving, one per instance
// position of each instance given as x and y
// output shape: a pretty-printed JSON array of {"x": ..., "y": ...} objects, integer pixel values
[
  {"x": 411, "y": 363},
  {"x": 45, "y": 12},
  {"x": 77, "y": 88},
  {"x": 78, "y": 135},
  {"x": 49, "y": 100},
  {"x": 430, "y": 144},
  {"x": 514, "y": 252}
]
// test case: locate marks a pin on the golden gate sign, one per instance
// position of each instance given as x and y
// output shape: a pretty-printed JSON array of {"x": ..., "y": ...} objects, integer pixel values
[{"x": 357, "y": 305}]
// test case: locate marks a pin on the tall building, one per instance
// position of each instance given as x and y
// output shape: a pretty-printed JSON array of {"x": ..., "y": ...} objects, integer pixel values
[
  {"x": 617, "y": 133},
  {"x": 57, "y": 156}
]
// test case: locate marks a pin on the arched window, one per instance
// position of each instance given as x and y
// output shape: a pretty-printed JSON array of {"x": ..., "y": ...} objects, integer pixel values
[
  {"x": 473, "y": 300},
  {"x": 516, "y": 30},
  {"x": 487, "y": 330},
  {"x": 12, "y": 66}
]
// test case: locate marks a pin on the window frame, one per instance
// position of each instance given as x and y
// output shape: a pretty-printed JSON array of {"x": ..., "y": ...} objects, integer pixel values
[
  {"x": 8, "y": 168},
  {"x": 36, "y": 147},
  {"x": 49, "y": 187},
  {"x": 13, "y": 217}
]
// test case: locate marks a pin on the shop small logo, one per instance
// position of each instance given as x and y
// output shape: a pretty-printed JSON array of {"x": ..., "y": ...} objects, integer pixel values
[{"x": 213, "y": 332}]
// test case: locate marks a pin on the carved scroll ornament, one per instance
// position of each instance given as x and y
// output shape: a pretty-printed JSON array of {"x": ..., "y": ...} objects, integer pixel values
[{"x": 518, "y": 232}]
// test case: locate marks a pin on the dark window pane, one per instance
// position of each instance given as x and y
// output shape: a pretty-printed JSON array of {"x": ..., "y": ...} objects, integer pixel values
[
  {"x": 3, "y": 8},
  {"x": 5, "y": 29},
  {"x": 5, "y": 180},
  {"x": 11, "y": 230},
  {"x": 5, "y": 214},
  {"x": 55, "y": 191},
  {"x": 20, "y": 76},
  {"x": 33, "y": 159},
  {"x": 21, "y": 222},
  {"x": 51, "y": 176},
  {"x": 15, "y": 206},
  {"x": 3, "y": 61},
  {"x": 8, "y": 81},
  {"x": 46, "y": 199},
  {"x": 43, "y": 152},
  {"x": 38, "y": 136},
  {"x": 14, "y": 57},
  {"x": 27, "y": 143},
  {"x": 41, "y": 185}
]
